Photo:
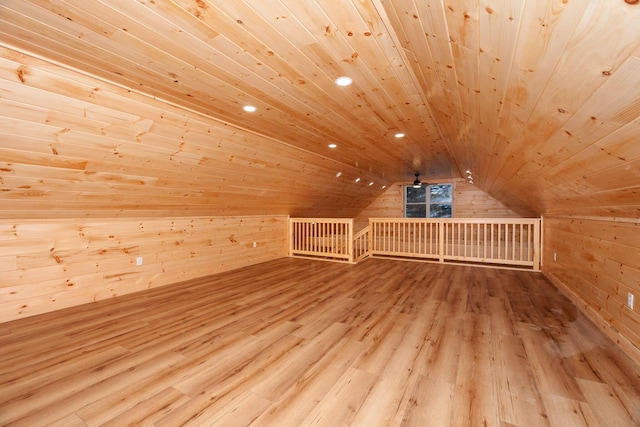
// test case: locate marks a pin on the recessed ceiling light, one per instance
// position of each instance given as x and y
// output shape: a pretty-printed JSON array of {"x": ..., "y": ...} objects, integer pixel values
[
  {"x": 371, "y": 183},
  {"x": 357, "y": 179},
  {"x": 384, "y": 186},
  {"x": 399, "y": 135},
  {"x": 344, "y": 81},
  {"x": 249, "y": 108},
  {"x": 339, "y": 174},
  {"x": 468, "y": 171},
  {"x": 333, "y": 145}
]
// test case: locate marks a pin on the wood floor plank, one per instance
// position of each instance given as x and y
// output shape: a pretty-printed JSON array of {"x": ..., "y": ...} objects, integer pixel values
[
  {"x": 612, "y": 411},
  {"x": 520, "y": 402},
  {"x": 343, "y": 400},
  {"x": 474, "y": 402},
  {"x": 149, "y": 410},
  {"x": 388, "y": 399},
  {"x": 301, "y": 342},
  {"x": 282, "y": 377},
  {"x": 309, "y": 389}
]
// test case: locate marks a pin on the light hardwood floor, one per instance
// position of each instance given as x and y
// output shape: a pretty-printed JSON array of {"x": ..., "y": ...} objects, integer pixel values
[{"x": 297, "y": 342}]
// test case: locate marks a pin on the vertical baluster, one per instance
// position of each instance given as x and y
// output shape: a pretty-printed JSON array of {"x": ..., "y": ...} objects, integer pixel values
[
  {"x": 395, "y": 236},
  {"x": 387, "y": 242},
  {"x": 484, "y": 241},
  {"x": 521, "y": 257},
  {"x": 412, "y": 238},
  {"x": 499, "y": 240},
  {"x": 326, "y": 244},
  {"x": 513, "y": 241},
  {"x": 530, "y": 242},
  {"x": 373, "y": 229},
  {"x": 441, "y": 241},
  {"x": 326, "y": 238},
  {"x": 333, "y": 234}
]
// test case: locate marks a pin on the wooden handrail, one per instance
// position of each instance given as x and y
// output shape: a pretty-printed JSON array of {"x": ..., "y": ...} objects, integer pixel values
[
  {"x": 361, "y": 245},
  {"x": 329, "y": 238},
  {"x": 504, "y": 241},
  {"x": 501, "y": 241}
]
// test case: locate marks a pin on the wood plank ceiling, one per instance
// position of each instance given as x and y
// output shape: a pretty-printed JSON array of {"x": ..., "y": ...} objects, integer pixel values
[{"x": 540, "y": 99}]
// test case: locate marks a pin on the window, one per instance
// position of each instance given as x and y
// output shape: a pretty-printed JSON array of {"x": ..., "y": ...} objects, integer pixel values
[{"x": 438, "y": 204}]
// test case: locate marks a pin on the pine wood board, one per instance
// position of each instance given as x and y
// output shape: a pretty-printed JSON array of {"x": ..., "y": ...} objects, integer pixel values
[{"x": 449, "y": 346}]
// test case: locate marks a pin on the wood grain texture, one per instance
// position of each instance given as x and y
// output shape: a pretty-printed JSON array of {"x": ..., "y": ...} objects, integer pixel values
[
  {"x": 598, "y": 264},
  {"x": 301, "y": 342},
  {"x": 110, "y": 107},
  {"x": 73, "y": 146},
  {"x": 49, "y": 265}
]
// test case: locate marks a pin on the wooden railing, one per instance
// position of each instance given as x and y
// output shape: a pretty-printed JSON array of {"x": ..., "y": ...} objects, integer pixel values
[
  {"x": 514, "y": 242},
  {"x": 506, "y": 242},
  {"x": 361, "y": 247},
  {"x": 327, "y": 238}
]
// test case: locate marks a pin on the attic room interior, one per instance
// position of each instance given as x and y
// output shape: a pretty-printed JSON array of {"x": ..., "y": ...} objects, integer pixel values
[{"x": 320, "y": 212}]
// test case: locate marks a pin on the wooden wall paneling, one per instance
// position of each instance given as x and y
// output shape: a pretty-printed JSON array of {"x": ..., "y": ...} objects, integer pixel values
[
  {"x": 601, "y": 116},
  {"x": 359, "y": 22},
  {"x": 56, "y": 264},
  {"x": 159, "y": 157},
  {"x": 447, "y": 109},
  {"x": 620, "y": 145},
  {"x": 604, "y": 69},
  {"x": 499, "y": 22},
  {"x": 336, "y": 38},
  {"x": 468, "y": 202},
  {"x": 23, "y": 31},
  {"x": 597, "y": 265},
  {"x": 621, "y": 203},
  {"x": 545, "y": 30},
  {"x": 390, "y": 204},
  {"x": 471, "y": 202},
  {"x": 501, "y": 87},
  {"x": 422, "y": 33},
  {"x": 462, "y": 26},
  {"x": 239, "y": 107}
]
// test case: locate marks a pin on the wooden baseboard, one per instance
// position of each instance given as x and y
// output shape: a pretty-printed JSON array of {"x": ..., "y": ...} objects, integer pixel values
[{"x": 625, "y": 345}]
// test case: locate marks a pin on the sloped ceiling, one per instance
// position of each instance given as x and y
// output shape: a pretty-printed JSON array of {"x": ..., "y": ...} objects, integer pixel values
[{"x": 540, "y": 99}]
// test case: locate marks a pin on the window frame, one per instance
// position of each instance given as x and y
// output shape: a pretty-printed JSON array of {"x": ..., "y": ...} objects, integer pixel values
[{"x": 427, "y": 201}]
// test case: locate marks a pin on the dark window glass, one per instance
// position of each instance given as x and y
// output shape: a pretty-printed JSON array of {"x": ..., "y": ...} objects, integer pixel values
[
  {"x": 437, "y": 205},
  {"x": 440, "y": 211},
  {"x": 417, "y": 195},
  {"x": 416, "y": 211}
]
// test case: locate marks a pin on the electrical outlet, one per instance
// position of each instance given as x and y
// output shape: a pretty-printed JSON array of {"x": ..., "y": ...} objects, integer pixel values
[
  {"x": 630, "y": 300},
  {"x": 139, "y": 260},
  {"x": 255, "y": 244}
]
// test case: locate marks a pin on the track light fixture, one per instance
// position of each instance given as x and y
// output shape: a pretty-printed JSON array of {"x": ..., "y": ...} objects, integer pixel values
[{"x": 416, "y": 182}]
